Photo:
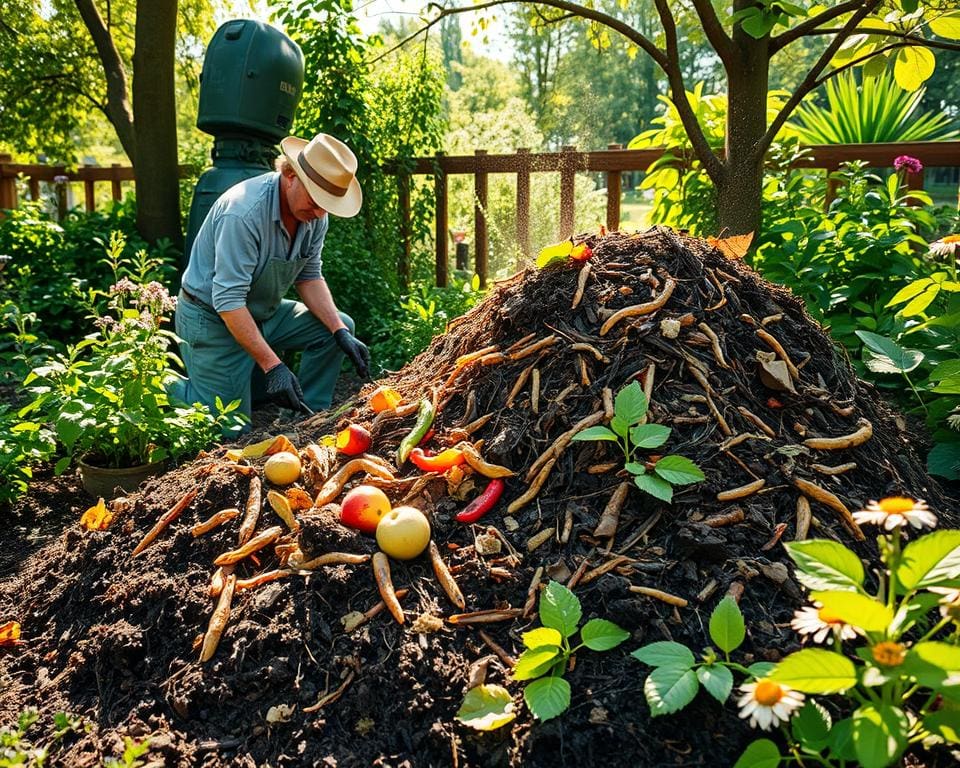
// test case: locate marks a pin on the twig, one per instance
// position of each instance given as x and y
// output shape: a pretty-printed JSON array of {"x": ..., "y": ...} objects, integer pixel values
[
  {"x": 581, "y": 285},
  {"x": 658, "y": 594},
  {"x": 640, "y": 309}
]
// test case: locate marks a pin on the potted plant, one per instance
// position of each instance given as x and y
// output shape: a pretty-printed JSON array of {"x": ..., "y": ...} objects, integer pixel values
[{"x": 106, "y": 397}]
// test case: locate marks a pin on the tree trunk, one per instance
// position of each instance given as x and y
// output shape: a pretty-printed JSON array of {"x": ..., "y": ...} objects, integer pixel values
[
  {"x": 739, "y": 192},
  {"x": 155, "y": 116}
]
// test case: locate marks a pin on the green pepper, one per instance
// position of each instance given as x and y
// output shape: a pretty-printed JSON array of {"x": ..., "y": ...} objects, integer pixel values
[{"x": 425, "y": 416}]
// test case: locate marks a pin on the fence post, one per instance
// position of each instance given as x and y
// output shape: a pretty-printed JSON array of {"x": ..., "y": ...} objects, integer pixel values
[
  {"x": 523, "y": 205},
  {"x": 440, "y": 188},
  {"x": 567, "y": 182},
  {"x": 115, "y": 189},
  {"x": 90, "y": 202},
  {"x": 480, "y": 216},
  {"x": 403, "y": 195},
  {"x": 613, "y": 195},
  {"x": 8, "y": 185}
]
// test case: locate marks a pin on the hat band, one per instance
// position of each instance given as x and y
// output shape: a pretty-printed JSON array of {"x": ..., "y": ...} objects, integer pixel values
[{"x": 317, "y": 179}]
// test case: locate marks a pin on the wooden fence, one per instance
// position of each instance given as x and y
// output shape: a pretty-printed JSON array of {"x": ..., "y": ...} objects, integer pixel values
[
  {"x": 88, "y": 175},
  {"x": 612, "y": 162}
]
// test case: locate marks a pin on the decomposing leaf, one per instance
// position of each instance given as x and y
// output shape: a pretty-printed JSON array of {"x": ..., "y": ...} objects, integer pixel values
[
  {"x": 281, "y": 444},
  {"x": 298, "y": 498},
  {"x": 486, "y": 708},
  {"x": 554, "y": 252},
  {"x": 774, "y": 373},
  {"x": 97, "y": 518},
  {"x": 10, "y": 634},
  {"x": 733, "y": 247}
]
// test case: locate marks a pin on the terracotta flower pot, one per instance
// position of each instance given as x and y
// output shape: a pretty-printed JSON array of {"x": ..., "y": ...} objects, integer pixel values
[{"x": 103, "y": 481}]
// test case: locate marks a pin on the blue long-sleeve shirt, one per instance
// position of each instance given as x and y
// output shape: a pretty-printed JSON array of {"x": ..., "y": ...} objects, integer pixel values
[{"x": 242, "y": 232}]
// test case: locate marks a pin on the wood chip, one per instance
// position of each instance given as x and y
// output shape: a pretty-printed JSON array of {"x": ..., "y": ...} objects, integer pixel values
[{"x": 658, "y": 594}]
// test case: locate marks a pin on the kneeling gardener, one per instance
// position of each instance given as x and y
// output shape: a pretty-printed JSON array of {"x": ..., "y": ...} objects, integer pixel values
[{"x": 261, "y": 237}]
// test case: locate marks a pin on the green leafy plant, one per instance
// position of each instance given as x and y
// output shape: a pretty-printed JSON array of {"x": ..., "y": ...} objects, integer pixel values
[
  {"x": 549, "y": 648},
  {"x": 894, "y": 667},
  {"x": 106, "y": 396},
  {"x": 677, "y": 675},
  {"x": 867, "y": 110},
  {"x": 132, "y": 752},
  {"x": 19, "y": 751},
  {"x": 23, "y": 446},
  {"x": 902, "y": 680},
  {"x": 628, "y": 428}
]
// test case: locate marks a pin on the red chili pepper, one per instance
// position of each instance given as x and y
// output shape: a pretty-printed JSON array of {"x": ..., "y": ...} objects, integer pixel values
[
  {"x": 439, "y": 463},
  {"x": 483, "y": 503},
  {"x": 426, "y": 438}
]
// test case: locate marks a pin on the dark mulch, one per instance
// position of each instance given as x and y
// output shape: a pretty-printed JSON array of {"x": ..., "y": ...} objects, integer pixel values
[{"x": 115, "y": 639}]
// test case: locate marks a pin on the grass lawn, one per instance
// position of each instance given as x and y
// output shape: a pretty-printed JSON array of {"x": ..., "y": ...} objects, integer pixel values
[{"x": 634, "y": 210}]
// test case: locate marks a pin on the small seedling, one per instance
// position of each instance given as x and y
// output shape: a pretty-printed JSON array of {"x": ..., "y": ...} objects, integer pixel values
[
  {"x": 629, "y": 429},
  {"x": 549, "y": 649}
]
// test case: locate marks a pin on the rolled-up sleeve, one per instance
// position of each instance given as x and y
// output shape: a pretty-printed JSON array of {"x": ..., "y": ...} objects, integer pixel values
[
  {"x": 313, "y": 269},
  {"x": 237, "y": 249}
]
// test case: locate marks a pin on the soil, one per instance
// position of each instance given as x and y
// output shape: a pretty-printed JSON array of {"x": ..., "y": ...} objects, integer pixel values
[{"x": 115, "y": 639}]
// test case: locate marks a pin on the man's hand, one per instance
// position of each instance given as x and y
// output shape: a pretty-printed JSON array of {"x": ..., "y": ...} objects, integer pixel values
[
  {"x": 356, "y": 350},
  {"x": 284, "y": 389}
]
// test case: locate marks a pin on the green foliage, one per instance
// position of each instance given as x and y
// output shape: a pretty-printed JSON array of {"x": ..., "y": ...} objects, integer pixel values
[
  {"x": 869, "y": 110},
  {"x": 400, "y": 335},
  {"x": 132, "y": 752},
  {"x": 900, "y": 681},
  {"x": 23, "y": 446},
  {"x": 548, "y": 649},
  {"x": 17, "y": 750},
  {"x": 905, "y": 662},
  {"x": 53, "y": 266},
  {"x": 677, "y": 675},
  {"x": 628, "y": 428},
  {"x": 106, "y": 396}
]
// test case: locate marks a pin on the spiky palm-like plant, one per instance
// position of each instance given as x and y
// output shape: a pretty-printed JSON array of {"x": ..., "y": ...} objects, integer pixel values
[{"x": 871, "y": 111}]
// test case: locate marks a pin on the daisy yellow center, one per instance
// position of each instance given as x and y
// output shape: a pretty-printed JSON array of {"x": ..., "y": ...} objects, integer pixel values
[
  {"x": 828, "y": 618},
  {"x": 896, "y": 505},
  {"x": 767, "y": 693},
  {"x": 951, "y": 239},
  {"x": 889, "y": 654}
]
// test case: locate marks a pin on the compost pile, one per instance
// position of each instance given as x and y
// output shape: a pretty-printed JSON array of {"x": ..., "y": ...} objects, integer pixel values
[{"x": 753, "y": 391}]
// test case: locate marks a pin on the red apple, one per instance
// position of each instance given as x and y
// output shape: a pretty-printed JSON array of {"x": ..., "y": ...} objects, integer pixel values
[
  {"x": 353, "y": 440},
  {"x": 363, "y": 507}
]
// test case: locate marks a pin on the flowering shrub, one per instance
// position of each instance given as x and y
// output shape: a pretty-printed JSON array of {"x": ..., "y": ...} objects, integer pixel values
[
  {"x": 896, "y": 667},
  {"x": 106, "y": 397}
]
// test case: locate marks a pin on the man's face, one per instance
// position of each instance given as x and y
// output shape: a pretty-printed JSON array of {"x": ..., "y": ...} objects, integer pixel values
[{"x": 301, "y": 204}]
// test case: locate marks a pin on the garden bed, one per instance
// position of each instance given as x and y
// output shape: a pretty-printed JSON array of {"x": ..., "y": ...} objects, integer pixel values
[{"x": 115, "y": 639}]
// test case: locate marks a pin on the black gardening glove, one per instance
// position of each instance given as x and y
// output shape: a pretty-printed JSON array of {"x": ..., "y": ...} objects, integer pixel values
[
  {"x": 356, "y": 350},
  {"x": 284, "y": 389}
]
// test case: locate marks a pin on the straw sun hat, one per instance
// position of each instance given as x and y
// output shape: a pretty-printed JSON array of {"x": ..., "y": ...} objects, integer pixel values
[{"x": 328, "y": 168}]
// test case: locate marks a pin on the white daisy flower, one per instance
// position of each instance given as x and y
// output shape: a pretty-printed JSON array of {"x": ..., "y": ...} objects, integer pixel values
[
  {"x": 817, "y": 621},
  {"x": 767, "y": 703},
  {"x": 949, "y": 603},
  {"x": 946, "y": 246},
  {"x": 896, "y": 512}
]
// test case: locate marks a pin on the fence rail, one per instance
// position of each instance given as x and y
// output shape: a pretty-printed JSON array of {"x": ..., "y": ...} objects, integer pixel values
[
  {"x": 89, "y": 175},
  {"x": 613, "y": 161}
]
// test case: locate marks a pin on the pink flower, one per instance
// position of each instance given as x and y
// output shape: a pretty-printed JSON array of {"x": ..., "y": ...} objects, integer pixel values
[{"x": 905, "y": 162}]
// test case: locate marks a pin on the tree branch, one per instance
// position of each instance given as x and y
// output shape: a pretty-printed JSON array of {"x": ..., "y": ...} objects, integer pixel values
[
  {"x": 861, "y": 60},
  {"x": 118, "y": 102},
  {"x": 912, "y": 39},
  {"x": 711, "y": 163},
  {"x": 808, "y": 26},
  {"x": 581, "y": 11},
  {"x": 811, "y": 80},
  {"x": 716, "y": 34}
]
